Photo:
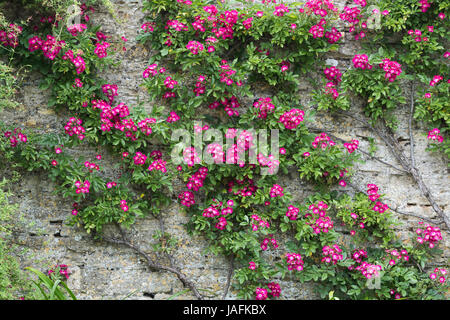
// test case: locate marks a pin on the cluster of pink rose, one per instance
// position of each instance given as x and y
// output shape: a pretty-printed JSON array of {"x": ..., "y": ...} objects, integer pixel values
[
  {"x": 417, "y": 34},
  {"x": 63, "y": 270},
  {"x": 186, "y": 198},
  {"x": 318, "y": 219},
  {"x": 196, "y": 180},
  {"x": 275, "y": 289},
  {"x": 435, "y": 80},
  {"x": 148, "y": 26},
  {"x": 190, "y": 156},
  {"x": 91, "y": 166},
  {"x": 123, "y": 205},
  {"x": 258, "y": 222},
  {"x": 319, "y": 7},
  {"x": 15, "y": 136},
  {"x": 74, "y": 127},
  {"x": 292, "y": 212},
  {"x": 216, "y": 151},
  {"x": 361, "y": 61},
  {"x": 424, "y": 5},
  {"x": 116, "y": 118},
  {"x": 281, "y": 10},
  {"x": 333, "y": 36},
  {"x": 292, "y": 118},
  {"x": 351, "y": 146},
  {"x": 317, "y": 30},
  {"x": 264, "y": 105},
  {"x": 173, "y": 117},
  {"x": 247, "y": 23},
  {"x": 230, "y": 105},
  {"x": 245, "y": 187},
  {"x": 332, "y": 254},
  {"x": 226, "y": 73},
  {"x": 186, "y": 2},
  {"x": 198, "y": 24},
  {"x": 294, "y": 261},
  {"x": 392, "y": 69},
  {"x": 395, "y": 256},
  {"x": 276, "y": 191},
  {"x": 139, "y": 158},
  {"x": 194, "y": 47},
  {"x": 217, "y": 209},
  {"x": 372, "y": 191},
  {"x": 10, "y": 36},
  {"x": 270, "y": 162},
  {"x": 176, "y": 25},
  {"x": 111, "y": 184},
  {"x": 351, "y": 16},
  {"x": 265, "y": 242},
  {"x": 333, "y": 74},
  {"x": 78, "y": 83},
  {"x": 158, "y": 164},
  {"x": 357, "y": 221},
  {"x": 75, "y": 29},
  {"x": 322, "y": 140},
  {"x": 428, "y": 234},
  {"x": 221, "y": 224},
  {"x": 380, "y": 207},
  {"x": 369, "y": 270},
  {"x": 235, "y": 154},
  {"x": 441, "y": 272},
  {"x": 50, "y": 47},
  {"x": 145, "y": 127},
  {"x": 110, "y": 91},
  {"x": 199, "y": 86},
  {"x": 330, "y": 89},
  {"x": 261, "y": 294},
  {"x": 433, "y": 135},
  {"x": 358, "y": 255},
  {"x": 82, "y": 187},
  {"x": 195, "y": 183},
  {"x": 151, "y": 70}
]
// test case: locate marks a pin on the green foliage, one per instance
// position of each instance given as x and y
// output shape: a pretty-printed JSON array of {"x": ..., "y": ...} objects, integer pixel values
[
  {"x": 376, "y": 226},
  {"x": 13, "y": 281},
  {"x": 8, "y": 87},
  {"x": 271, "y": 56},
  {"x": 51, "y": 288},
  {"x": 381, "y": 96}
]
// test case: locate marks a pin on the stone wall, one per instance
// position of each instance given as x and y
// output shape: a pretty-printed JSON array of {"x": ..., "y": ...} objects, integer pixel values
[{"x": 101, "y": 271}]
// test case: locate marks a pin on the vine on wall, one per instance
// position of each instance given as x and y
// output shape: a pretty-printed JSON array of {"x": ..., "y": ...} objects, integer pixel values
[{"x": 209, "y": 61}]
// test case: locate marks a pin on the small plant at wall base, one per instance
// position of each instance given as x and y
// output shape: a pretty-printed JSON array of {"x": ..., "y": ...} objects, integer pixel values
[{"x": 210, "y": 61}]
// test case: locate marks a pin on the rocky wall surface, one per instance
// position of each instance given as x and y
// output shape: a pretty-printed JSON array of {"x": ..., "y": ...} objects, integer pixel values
[{"x": 104, "y": 271}]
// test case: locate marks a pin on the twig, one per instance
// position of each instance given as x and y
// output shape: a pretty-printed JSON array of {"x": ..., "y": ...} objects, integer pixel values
[
  {"x": 411, "y": 138},
  {"x": 153, "y": 264},
  {"x": 360, "y": 150},
  {"x": 230, "y": 273},
  {"x": 381, "y": 161},
  {"x": 357, "y": 188},
  {"x": 161, "y": 226},
  {"x": 417, "y": 216},
  {"x": 397, "y": 152},
  {"x": 386, "y": 141}
]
